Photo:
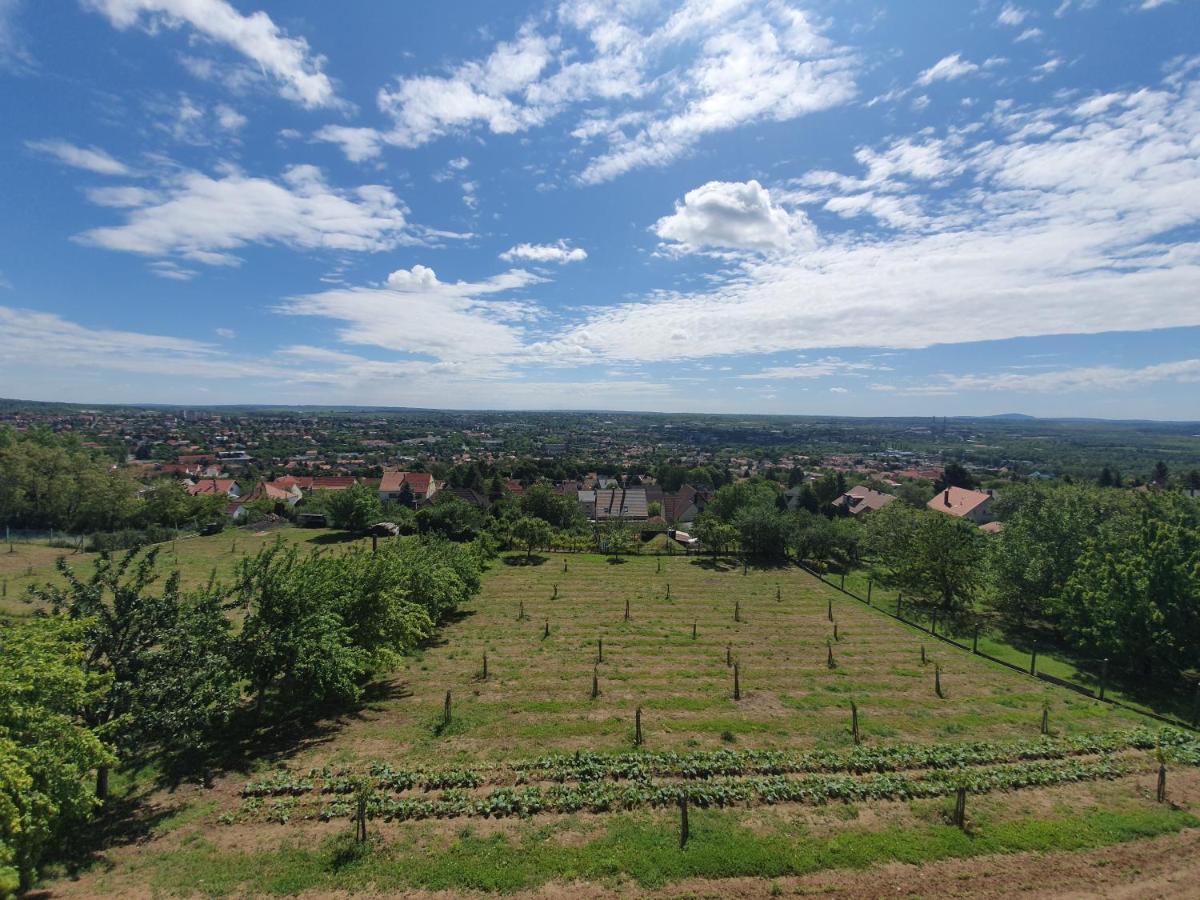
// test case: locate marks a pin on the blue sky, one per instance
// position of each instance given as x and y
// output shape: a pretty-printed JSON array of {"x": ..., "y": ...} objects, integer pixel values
[{"x": 831, "y": 207}]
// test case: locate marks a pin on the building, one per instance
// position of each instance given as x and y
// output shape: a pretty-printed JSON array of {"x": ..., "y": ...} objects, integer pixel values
[
  {"x": 861, "y": 499},
  {"x": 974, "y": 506},
  {"x": 213, "y": 487},
  {"x": 620, "y": 503},
  {"x": 417, "y": 487}
]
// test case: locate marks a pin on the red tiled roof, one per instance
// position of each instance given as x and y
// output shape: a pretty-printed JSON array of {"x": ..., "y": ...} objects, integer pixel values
[
  {"x": 958, "y": 501},
  {"x": 211, "y": 486}
]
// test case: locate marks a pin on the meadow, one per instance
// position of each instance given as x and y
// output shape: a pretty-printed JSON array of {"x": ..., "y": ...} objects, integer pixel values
[{"x": 536, "y": 775}]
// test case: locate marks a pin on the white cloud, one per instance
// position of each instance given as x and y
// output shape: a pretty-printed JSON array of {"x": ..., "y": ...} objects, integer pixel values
[
  {"x": 705, "y": 68},
  {"x": 1075, "y": 227},
  {"x": 1084, "y": 378},
  {"x": 229, "y": 118},
  {"x": 1153, "y": 4},
  {"x": 558, "y": 252},
  {"x": 733, "y": 215},
  {"x": 226, "y": 333},
  {"x": 1030, "y": 34},
  {"x": 358, "y": 144},
  {"x": 821, "y": 368},
  {"x": 948, "y": 68},
  {"x": 1012, "y": 15},
  {"x": 288, "y": 59},
  {"x": 91, "y": 159},
  {"x": 14, "y": 53},
  {"x": 204, "y": 218},
  {"x": 838, "y": 390},
  {"x": 414, "y": 312}
]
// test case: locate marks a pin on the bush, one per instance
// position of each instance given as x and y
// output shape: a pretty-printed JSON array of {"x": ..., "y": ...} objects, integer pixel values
[{"x": 128, "y": 538}]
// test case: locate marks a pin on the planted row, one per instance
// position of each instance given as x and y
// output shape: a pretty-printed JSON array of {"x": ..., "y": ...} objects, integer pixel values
[{"x": 600, "y": 797}]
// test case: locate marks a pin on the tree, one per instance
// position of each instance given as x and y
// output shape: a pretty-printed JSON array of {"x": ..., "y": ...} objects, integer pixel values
[
  {"x": 354, "y": 509},
  {"x": 763, "y": 531},
  {"x": 123, "y": 625},
  {"x": 936, "y": 559},
  {"x": 451, "y": 518},
  {"x": 1160, "y": 473},
  {"x": 955, "y": 475},
  {"x": 46, "y": 753},
  {"x": 531, "y": 533},
  {"x": 614, "y": 536},
  {"x": 1106, "y": 477},
  {"x": 730, "y": 499},
  {"x": 715, "y": 535}
]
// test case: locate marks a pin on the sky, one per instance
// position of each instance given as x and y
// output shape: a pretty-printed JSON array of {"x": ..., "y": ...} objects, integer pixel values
[{"x": 826, "y": 207}]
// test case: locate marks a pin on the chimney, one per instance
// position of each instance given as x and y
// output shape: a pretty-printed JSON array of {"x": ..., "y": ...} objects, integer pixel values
[
  {"x": 946, "y": 496},
  {"x": 989, "y": 492}
]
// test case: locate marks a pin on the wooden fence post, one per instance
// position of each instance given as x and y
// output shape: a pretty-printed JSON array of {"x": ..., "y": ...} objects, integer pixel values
[
  {"x": 1160, "y": 793},
  {"x": 829, "y": 661},
  {"x": 737, "y": 683},
  {"x": 693, "y": 629},
  {"x": 854, "y": 720},
  {"x": 975, "y": 641},
  {"x": 729, "y": 654},
  {"x": 1033, "y": 662},
  {"x": 485, "y": 665},
  {"x": 1046, "y": 718},
  {"x": 829, "y": 610},
  {"x": 937, "y": 680},
  {"x": 626, "y": 609},
  {"x": 637, "y": 727},
  {"x": 737, "y": 610},
  {"x": 960, "y": 808},
  {"x": 546, "y": 633},
  {"x": 595, "y": 683},
  {"x": 446, "y": 711},
  {"x": 599, "y": 650},
  {"x": 870, "y": 585},
  {"x": 1103, "y": 676}
]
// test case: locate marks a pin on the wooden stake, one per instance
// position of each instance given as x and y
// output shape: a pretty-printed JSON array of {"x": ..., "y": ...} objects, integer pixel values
[
  {"x": 555, "y": 597},
  {"x": 626, "y": 609},
  {"x": 829, "y": 612},
  {"x": 446, "y": 711},
  {"x": 737, "y": 610},
  {"x": 829, "y": 658},
  {"x": 854, "y": 721},
  {"x": 737, "y": 684},
  {"x": 1161, "y": 792},
  {"x": 521, "y": 612},
  {"x": 1045, "y": 718},
  {"x": 546, "y": 633},
  {"x": 729, "y": 654},
  {"x": 693, "y": 630},
  {"x": 835, "y": 632},
  {"x": 595, "y": 683},
  {"x": 937, "y": 681},
  {"x": 960, "y": 808},
  {"x": 924, "y": 661},
  {"x": 637, "y": 727},
  {"x": 485, "y": 672},
  {"x": 599, "y": 650}
]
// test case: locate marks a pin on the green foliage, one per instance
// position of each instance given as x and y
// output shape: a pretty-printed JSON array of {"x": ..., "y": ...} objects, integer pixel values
[
  {"x": 727, "y": 502},
  {"x": 46, "y": 754},
  {"x": 450, "y": 517},
  {"x": 561, "y": 511},
  {"x": 531, "y": 534},
  {"x": 762, "y": 530},
  {"x": 355, "y": 509},
  {"x": 714, "y": 534},
  {"x": 936, "y": 559}
]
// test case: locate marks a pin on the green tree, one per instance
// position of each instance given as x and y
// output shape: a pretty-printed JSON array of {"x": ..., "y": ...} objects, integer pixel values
[
  {"x": 763, "y": 531},
  {"x": 531, "y": 533},
  {"x": 715, "y": 535},
  {"x": 46, "y": 753},
  {"x": 450, "y": 518},
  {"x": 124, "y": 625},
  {"x": 355, "y": 509},
  {"x": 955, "y": 475},
  {"x": 936, "y": 559}
]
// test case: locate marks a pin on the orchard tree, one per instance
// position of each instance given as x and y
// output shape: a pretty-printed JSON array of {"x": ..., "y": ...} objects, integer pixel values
[
  {"x": 355, "y": 509},
  {"x": 46, "y": 752},
  {"x": 531, "y": 533},
  {"x": 714, "y": 534}
]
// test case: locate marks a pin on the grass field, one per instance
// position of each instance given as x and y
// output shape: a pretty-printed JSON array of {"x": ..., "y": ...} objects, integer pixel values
[
  {"x": 195, "y": 558},
  {"x": 537, "y": 699}
]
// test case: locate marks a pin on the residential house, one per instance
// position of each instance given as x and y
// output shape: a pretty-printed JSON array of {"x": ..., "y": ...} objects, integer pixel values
[
  {"x": 420, "y": 486},
  {"x": 620, "y": 503},
  {"x": 974, "y": 506},
  {"x": 212, "y": 486},
  {"x": 861, "y": 499}
]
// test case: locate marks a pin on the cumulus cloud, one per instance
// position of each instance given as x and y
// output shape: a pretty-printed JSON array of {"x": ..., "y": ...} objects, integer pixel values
[
  {"x": 1078, "y": 226},
  {"x": 204, "y": 218},
  {"x": 90, "y": 159},
  {"x": 948, "y": 68},
  {"x": 733, "y": 215},
  {"x": 288, "y": 59},
  {"x": 558, "y": 252}
]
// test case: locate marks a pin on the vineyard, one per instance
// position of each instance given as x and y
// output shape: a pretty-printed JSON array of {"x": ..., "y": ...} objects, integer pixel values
[{"x": 583, "y": 700}]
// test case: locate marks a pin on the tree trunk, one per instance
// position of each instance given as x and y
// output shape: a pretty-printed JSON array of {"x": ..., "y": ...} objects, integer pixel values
[{"x": 102, "y": 783}]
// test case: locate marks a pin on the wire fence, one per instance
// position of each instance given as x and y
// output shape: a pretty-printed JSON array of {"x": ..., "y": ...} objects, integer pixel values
[{"x": 982, "y": 641}]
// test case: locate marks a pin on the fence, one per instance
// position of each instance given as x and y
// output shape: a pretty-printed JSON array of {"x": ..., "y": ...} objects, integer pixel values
[{"x": 1031, "y": 670}]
